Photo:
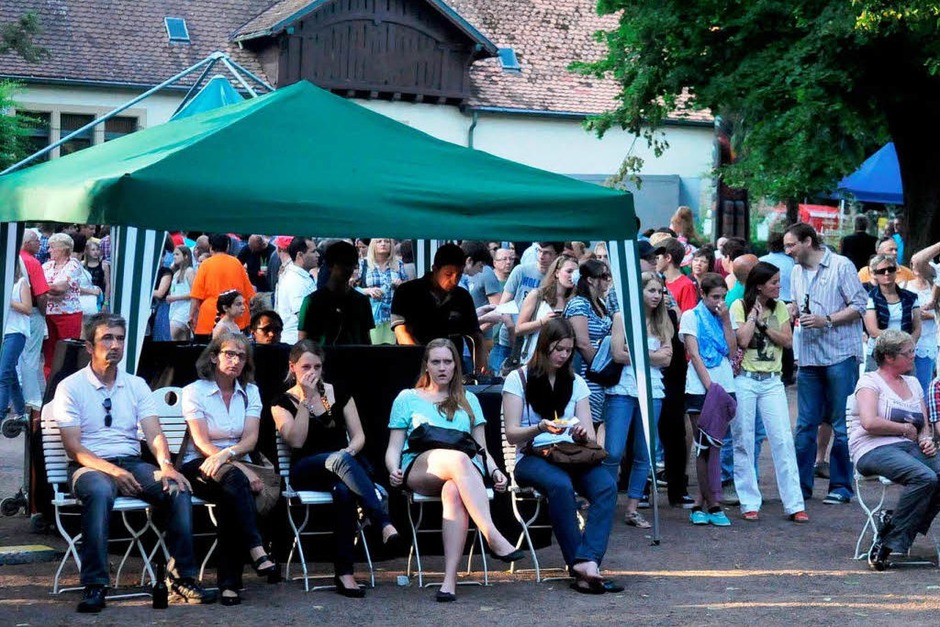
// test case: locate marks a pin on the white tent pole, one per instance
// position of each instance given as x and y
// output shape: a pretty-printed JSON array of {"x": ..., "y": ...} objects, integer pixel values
[{"x": 625, "y": 267}]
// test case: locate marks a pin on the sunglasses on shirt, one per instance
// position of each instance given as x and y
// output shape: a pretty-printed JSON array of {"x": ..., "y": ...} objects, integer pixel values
[
  {"x": 883, "y": 271},
  {"x": 106, "y": 403}
]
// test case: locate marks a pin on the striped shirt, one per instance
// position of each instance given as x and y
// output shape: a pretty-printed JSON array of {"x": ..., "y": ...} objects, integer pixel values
[
  {"x": 834, "y": 287},
  {"x": 933, "y": 401}
]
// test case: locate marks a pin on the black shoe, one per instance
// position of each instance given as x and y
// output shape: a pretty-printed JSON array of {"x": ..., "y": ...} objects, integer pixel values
[
  {"x": 686, "y": 502},
  {"x": 445, "y": 597},
  {"x": 230, "y": 601},
  {"x": 586, "y": 586},
  {"x": 612, "y": 586},
  {"x": 350, "y": 593},
  {"x": 188, "y": 590},
  {"x": 272, "y": 572},
  {"x": 509, "y": 558},
  {"x": 92, "y": 599},
  {"x": 878, "y": 556}
]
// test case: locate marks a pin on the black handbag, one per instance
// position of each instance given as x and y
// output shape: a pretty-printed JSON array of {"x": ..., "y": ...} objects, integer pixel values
[
  {"x": 603, "y": 370},
  {"x": 427, "y": 437}
]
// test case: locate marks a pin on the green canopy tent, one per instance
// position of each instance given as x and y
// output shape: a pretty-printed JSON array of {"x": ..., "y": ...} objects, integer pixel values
[{"x": 303, "y": 161}]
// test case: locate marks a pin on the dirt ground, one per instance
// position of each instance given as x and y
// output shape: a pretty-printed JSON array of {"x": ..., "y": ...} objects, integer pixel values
[{"x": 768, "y": 572}]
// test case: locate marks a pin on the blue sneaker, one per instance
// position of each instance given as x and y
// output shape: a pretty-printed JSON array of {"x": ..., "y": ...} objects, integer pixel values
[
  {"x": 698, "y": 517},
  {"x": 719, "y": 519}
]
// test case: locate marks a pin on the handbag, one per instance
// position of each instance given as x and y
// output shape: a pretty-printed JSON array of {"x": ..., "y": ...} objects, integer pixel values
[
  {"x": 603, "y": 370},
  {"x": 564, "y": 453},
  {"x": 427, "y": 437}
]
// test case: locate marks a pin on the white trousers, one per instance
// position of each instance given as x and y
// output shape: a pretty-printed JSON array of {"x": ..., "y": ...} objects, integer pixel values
[{"x": 32, "y": 379}]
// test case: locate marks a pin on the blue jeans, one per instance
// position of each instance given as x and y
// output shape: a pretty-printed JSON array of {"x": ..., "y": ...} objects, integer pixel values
[
  {"x": 236, "y": 516},
  {"x": 498, "y": 355},
  {"x": 559, "y": 485},
  {"x": 97, "y": 491},
  {"x": 822, "y": 389},
  {"x": 727, "y": 450},
  {"x": 10, "y": 389},
  {"x": 621, "y": 415},
  {"x": 340, "y": 473},
  {"x": 923, "y": 370},
  {"x": 904, "y": 463}
]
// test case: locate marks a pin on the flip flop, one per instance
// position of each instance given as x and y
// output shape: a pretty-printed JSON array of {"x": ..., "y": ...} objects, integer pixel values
[{"x": 593, "y": 587}]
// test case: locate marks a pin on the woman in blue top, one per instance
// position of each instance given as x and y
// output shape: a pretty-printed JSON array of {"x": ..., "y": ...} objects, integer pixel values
[
  {"x": 438, "y": 399},
  {"x": 591, "y": 317}
]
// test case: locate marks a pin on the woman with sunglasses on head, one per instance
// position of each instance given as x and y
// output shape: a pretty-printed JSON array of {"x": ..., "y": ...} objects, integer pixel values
[
  {"x": 544, "y": 399},
  {"x": 546, "y": 303},
  {"x": 889, "y": 306},
  {"x": 222, "y": 410},
  {"x": 439, "y": 400},
  {"x": 589, "y": 313},
  {"x": 321, "y": 425}
]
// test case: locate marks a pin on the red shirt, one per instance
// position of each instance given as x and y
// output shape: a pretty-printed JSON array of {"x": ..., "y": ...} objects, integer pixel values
[
  {"x": 684, "y": 291},
  {"x": 37, "y": 278}
]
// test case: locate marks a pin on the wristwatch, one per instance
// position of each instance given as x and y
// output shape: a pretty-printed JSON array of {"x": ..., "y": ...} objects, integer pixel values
[
  {"x": 231, "y": 453},
  {"x": 828, "y": 322}
]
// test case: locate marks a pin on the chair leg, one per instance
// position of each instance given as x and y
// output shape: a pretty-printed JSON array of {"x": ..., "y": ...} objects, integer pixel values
[
  {"x": 135, "y": 541},
  {"x": 414, "y": 541},
  {"x": 870, "y": 513},
  {"x": 525, "y": 522},
  {"x": 486, "y": 571},
  {"x": 365, "y": 548},
  {"x": 71, "y": 550},
  {"x": 298, "y": 544}
]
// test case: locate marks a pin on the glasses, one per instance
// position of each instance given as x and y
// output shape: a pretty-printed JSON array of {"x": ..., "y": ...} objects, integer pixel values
[
  {"x": 269, "y": 329},
  {"x": 106, "y": 403},
  {"x": 883, "y": 271},
  {"x": 234, "y": 355}
]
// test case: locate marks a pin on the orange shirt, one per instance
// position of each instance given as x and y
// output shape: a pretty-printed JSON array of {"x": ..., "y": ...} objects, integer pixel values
[
  {"x": 904, "y": 274},
  {"x": 215, "y": 275}
]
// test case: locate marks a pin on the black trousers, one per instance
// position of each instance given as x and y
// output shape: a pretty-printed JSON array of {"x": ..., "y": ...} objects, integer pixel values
[{"x": 672, "y": 436}]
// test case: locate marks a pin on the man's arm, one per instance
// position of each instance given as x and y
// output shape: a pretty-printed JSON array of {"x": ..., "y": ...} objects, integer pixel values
[
  {"x": 72, "y": 441},
  {"x": 156, "y": 440}
]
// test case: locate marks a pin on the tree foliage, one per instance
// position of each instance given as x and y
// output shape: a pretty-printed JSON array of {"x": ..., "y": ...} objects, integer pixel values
[
  {"x": 810, "y": 86},
  {"x": 16, "y": 37}
]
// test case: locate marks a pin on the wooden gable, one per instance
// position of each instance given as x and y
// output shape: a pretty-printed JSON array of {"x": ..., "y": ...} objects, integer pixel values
[{"x": 394, "y": 49}]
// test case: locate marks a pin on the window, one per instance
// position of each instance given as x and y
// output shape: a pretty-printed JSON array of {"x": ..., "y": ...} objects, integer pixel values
[
  {"x": 119, "y": 126},
  {"x": 37, "y": 136},
  {"x": 176, "y": 30},
  {"x": 70, "y": 122},
  {"x": 507, "y": 59}
]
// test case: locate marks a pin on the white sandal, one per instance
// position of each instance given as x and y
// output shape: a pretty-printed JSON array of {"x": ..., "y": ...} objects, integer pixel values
[{"x": 635, "y": 519}]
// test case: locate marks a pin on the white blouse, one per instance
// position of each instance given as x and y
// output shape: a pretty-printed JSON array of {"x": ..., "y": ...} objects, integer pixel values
[{"x": 202, "y": 400}]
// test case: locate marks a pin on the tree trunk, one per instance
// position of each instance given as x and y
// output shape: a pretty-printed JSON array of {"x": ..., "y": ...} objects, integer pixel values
[{"x": 793, "y": 211}]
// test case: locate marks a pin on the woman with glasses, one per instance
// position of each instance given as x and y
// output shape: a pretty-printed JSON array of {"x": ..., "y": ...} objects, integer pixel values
[
  {"x": 889, "y": 437},
  {"x": 222, "y": 410},
  {"x": 889, "y": 306},
  {"x": 590, "y": 315}
]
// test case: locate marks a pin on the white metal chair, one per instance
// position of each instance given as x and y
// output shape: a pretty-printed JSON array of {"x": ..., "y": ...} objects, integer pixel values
[
  {"x": 65, "y": 504},
  {"x": 307, "y": 499},
  {"x": 416, "y": 503},
  {"x": 169, "y": 404}
]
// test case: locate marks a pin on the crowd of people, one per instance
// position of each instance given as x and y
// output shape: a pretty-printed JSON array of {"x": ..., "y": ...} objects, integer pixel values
[{"x": 726, "y": 332}]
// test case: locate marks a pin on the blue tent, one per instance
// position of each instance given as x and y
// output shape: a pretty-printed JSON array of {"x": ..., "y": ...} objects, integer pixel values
[
  {"x": 218, "y": 92},
  {"x": 877, "y": 180}
]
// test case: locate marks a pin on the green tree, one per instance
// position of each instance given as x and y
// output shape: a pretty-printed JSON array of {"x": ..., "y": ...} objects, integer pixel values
[
  {"x": 811, "y": 86},
  {"x": 16, "y": 37}
]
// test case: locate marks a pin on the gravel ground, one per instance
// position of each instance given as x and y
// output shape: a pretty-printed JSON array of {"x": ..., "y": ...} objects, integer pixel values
[{"x": 771, "y": 571}]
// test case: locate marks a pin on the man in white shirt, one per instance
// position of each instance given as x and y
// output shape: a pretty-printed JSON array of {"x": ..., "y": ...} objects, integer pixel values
[
  {"x": 98, "y": 410},
  {"x": 295, "y": 285}
]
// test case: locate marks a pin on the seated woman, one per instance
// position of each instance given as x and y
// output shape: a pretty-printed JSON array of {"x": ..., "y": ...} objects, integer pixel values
[
  {"x": 222, "y": 410},
  {"x": 531, "y": 406},
  {"x": 889, "y": 437},
  {"x": 438, "y": 399},
  {"x": 321, "y": 425}
]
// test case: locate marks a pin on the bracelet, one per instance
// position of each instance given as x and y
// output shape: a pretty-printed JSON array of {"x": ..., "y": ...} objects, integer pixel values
[
  {"x": 538, "y": 426},
  {"x": 493, "y": 474}
]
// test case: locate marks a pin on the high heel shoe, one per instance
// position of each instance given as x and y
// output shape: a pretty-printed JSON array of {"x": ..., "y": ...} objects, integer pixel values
[
  {"x": 272, "y": 572},
  {"x": 351, "y": 593},
  {"x": 229, "y": 600},
  {"x": 508, "y": 558}
]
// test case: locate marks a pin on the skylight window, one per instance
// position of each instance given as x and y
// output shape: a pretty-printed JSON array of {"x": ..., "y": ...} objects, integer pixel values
[
  {"x": 176, "y": 30},
  {"x": 507, "y": 58}
]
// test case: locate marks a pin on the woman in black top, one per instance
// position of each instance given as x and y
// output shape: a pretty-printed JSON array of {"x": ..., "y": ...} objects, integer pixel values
[{"x": 321, "y": 425}]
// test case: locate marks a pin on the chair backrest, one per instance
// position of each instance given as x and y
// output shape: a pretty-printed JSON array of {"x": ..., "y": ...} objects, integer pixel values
[
  {"x": 169, "y": 404},
  {"x": 851, "y": 415},
  {"x": 283, "y": 455},
  {"x": 57, "y": 461},
  {"x": 509, "y": 451}
]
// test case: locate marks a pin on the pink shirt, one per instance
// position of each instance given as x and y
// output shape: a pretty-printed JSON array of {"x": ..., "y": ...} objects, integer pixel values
[{"x": 890, "y": 407}]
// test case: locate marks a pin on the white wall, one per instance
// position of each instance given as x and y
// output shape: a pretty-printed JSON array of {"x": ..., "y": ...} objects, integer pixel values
[{"x": 154, "y": 110}]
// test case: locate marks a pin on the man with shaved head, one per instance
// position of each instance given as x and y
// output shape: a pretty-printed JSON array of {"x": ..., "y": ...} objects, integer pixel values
[{"x": 888, "y": 247}]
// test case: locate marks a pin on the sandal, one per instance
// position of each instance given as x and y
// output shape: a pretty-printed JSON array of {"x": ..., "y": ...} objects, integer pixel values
[
  {"x": 229, "y": 600},
  {"x": 799, "y": 517},
  {"x": 272, "y": 572},
  {"x": 635, "y": 519},
  {"x": 587, "y": 586},
  {"x": 752, "y": 516}
]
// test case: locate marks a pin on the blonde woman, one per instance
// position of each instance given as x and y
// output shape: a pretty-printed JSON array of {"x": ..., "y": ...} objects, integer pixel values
[
  {"x": 382, "y": 273},
  {"x": 63, "y": 307}
]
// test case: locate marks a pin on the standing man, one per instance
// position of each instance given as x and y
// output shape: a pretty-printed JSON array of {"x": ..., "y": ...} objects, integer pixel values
[
  {"x": 31, "y": 363},
  {"x": 255, "y": 257},
  {"x": 888, "y": 247},
  {"x": 337, "y": 314},
  {"x": 99, "y": 410},
  {"x": 295, "y": 284},
  {"x": 219, "y": 273},
  {"x": 859, "y": 246},
  {"x": 827, "y": 285}
]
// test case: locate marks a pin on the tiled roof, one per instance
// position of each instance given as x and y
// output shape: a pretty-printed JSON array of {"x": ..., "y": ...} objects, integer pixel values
[
  {"x": 126, "y": 42},
  {"x": 547, "y": 35},
  {"x": 273, "y": 16}
]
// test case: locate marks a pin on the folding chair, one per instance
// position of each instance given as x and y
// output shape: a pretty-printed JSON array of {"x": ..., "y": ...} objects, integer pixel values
[
  {"x": 169, "y": 404},
  {"x": 65, "y": 504},
  {"x": 527, "y": 497},
  {"x": 307, "y": 499}
]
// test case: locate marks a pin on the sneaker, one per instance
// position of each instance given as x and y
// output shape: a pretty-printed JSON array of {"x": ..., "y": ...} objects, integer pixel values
[
  {"x": 729, "y": 496},
  {"x": 686, "y": 502},
  {"x": 834, "y": 498},
  {"x": 718, "y": 519},
  {"x": 92, "y": 599},
  {"x": 698, "y": 517},
  {"x": 661, "y": 479},
  {"x": 188, "y": 590},
  {"x": 821, "y": 470}
]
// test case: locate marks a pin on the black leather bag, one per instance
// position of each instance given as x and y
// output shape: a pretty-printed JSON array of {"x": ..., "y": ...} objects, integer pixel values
[
  {"x": 428, "y": 437},
  {"x": 603, "y": 370}
]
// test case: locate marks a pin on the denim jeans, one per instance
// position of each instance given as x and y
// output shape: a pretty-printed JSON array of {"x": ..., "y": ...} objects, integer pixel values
[
  {"x": 558, "y": 485},
  {"x": 621, "y": 415},
  {"x": 498, "y": 355},
  {"x": 236, "y": 516},
  {"x": 905, "y": 464},
  {"x": 97, "y": 491},
  {"x": 31, "y": 364},
  {"x": 10, "y": 389},
  {"x": 340, "y": 473},
  {"x": 769, "y": 399},
  {"x": 821, "y": 390},
  {"x": 923, "y": 370},
  {"x": 727, "y": 449}
]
